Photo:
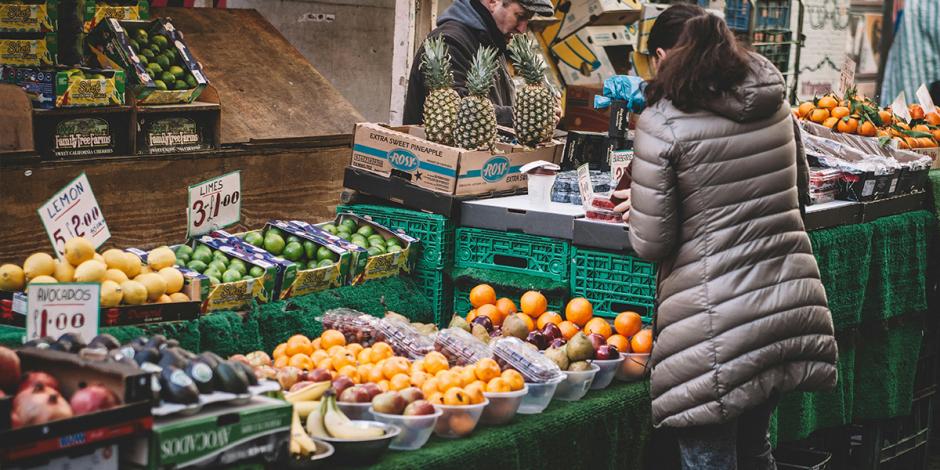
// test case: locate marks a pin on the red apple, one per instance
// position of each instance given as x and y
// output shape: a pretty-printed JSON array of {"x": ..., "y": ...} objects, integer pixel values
[
  {"x": 552, "y": 331},
  {"x": 390, "y": 403},
  {"x": 419, "y": 408},
  {"x": 319, "y": 375},
  {"x": 597, "y": 340},
  {"x": 372, "y": 389},
  {"x": 341, "y": 384},
  {"x": 606, "y": 352},
  {"x": 94, "y": 397},
  {"x": 412, "y": 394}
]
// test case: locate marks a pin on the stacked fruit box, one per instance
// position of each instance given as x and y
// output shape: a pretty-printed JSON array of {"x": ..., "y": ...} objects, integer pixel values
[{"x": 29, "y": 33}]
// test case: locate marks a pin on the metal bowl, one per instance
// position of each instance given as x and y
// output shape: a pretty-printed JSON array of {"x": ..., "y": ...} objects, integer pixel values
[
  {"x": 364, "y": 451},
  {"x": 325, "y": 450}
]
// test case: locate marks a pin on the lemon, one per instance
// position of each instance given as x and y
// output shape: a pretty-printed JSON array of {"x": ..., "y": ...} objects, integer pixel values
[
  {"x": 154, "y": 284},
  {"x": 173, "y": 278},
  {"x": 133, "y": 264},
  {"x": 12, "y": 277},
  {"x": 179, "y": 297},
  {"x": 98, "y": 257},
  {"x": 39, "y": 264},
  {"x": 134, "y": 293},
  {"x": 115, "y": 275},
  {"x": 164, "y": 299},
  {"x": 144, "y": 270},
  {"x": 90, "y": 271},
  {"x": 78, "y": 250},
  {"x": 160, "y": 258},
  {"x": 111, "y": 294},
  {"x": 115, "y": 259},
  {"x": 64, "y": 272},
  {"x": 42, "y": 280}
]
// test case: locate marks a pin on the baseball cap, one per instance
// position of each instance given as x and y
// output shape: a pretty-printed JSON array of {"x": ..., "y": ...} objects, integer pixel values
[{"x": 539, "y": 7}]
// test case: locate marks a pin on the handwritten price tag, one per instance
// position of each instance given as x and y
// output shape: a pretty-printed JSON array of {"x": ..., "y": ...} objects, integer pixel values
[
  {"x": 846, "y": 75},
  {"x": 56, "y": 309},
  {"x": 74, "y": 212},
  {"x": 214, "y": 204},
  {"x": 619, "y": 162}
]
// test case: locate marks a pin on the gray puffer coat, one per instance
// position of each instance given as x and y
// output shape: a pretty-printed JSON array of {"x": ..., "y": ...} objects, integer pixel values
[{"x": 742, "y": 313}]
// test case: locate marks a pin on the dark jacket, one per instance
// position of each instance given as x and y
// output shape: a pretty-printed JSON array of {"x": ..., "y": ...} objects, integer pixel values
[
  {"x": 742, "y": 313},
  {"x": 465, "y": 26}
]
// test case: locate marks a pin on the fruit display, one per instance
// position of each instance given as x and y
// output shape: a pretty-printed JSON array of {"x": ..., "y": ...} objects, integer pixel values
[
  {"x": 329, "y": 422},
  {"x": 216, "y": 265},
  {"x": 459, "y": 347},
  {"x": 475, "y": 125},
  {"x": 440, "y": 106},
  {"x": 306, "y": 253},
  {"x": 534, "y": 109},
  {"x": 405, "y": 340},
  {"x": 159, "y": 56},
  {"x": 511, "y": 352},
  {"x": 356, "y": 327},
  {"x": 124, "y": 278}
]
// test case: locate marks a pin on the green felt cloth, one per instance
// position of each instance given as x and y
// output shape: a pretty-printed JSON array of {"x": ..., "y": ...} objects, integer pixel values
[
  {"x": 886, "y": 365},
  {"x": 843, "y": 255},
  {"x": 606, "y": 429},
  {"x": 933, "y": 186},
  {"x": 897, "y": 280}
]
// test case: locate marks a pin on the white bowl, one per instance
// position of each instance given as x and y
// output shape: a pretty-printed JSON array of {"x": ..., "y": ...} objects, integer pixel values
[
  {"x": 458, "y": 420},
  {"x": 606, "y": 375},
  {"x": 503, "y": 405},
  {"x": 539, "y": 396},
  {"x": 634, "y": 367},
  {"x": 415, "y": 430},
  {"x": 576, "y": 384}
]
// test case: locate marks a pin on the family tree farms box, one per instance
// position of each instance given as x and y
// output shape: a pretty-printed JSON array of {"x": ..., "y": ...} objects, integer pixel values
[
  {"x": 83, "y": 132},
  {"x": 595, "y": 53},
  {"x": 404, "y": 153},
  {"x": 575, "y": 15}
]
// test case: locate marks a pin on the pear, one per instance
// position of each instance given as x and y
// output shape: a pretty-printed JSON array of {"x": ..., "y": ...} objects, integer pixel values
[
  {"x": 558, "y": 356},
  {"x": 480, "y": 333},
  {"x": 579, "y": 348},
  {"x": 459, "y": 322},
  {"x": 580, "y": 366},
  {"x": 515, "y": 326}
]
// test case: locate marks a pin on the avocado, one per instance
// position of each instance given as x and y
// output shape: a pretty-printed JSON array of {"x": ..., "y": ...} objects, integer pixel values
[
  {"x": 177, "y": 387},
  {"x": 157, "y": 342},
  {"x": 171, "y": 357},
  {"x": 231, "y": 378},
  {"x": 202, "y": 375},
  {"x": 147, "y": 354},
  {"x": 105, "y": 341},
  {"x": 74, "y": 342},
  {"x": 248, "y": 371}
]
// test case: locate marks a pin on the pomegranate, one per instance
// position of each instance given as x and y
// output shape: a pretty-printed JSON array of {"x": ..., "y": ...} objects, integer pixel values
[
  {"x": 39, "y": 404},
  {"x": 9, "y": 369},
  {"x": 32, "y": 378},
  {"x": 92, "y": 398}
]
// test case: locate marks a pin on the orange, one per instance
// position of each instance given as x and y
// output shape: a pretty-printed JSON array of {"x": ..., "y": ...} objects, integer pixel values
[
  {"x": 384, "y": 385},
  {"x": 375, "y": 374},
  {"x": 827, "y": 102},
  {"x": 364, "y": 370},
  {"x": 533, "y": 304},
  {"x": 399, "y": 382},
  {"x": 447, "y": 380},
  {"x": 279, "y": 350},
  {"x": 887, "y": 119},
  {"x": 642, "y": 342},
  {"x": 364, "y": 356},
  {"x": 847, "y": 125},
  {"x": 467, "y": 376},
  {"x": 419, "y": 378},
  {"x": 831, "y": 123},
  {"x": 628, "y": 323},
  {"x": 456, "y": 396},
  {"x": 281, "y": 362},
  {"x": 382, "y": 348},
  {"x": 394, "y": 366},
  {"x": 486, "y": 369},
  {"x": 598, "y": 325},
  {"x": 475, "y": 392},
  {"x": 498, "y": 385},
  {"x": 933, "y": 118},
  {"x": 529, "y": 323},
  {"x": 819, "y": 115},
  {"x": 804, "y": 109},
  {"x": 936, "y": 135},
  {"x": 579, "y": 311},
  {"x": 620, "y": 342},
  {"x": 301, "y": 361},
  {"x": 514, "y": 379},
  {"x": 471, "y": 315},
  {"x": 548, "y": 317},
  {"x": 917, "y": 112},
  {"x": 506, "y": 307},
  {"x": 331, "y": 338},
  {"x": 430, "y": 387},
  {"x": 481, "y": 295},
  {"x": 436, "y": 398},
  {"x": 326, "y": 364},
  {"x": 298, "y": 344},
  {"x": 491, "y": 312},
  {"x": 354, "y": 348},
  {"x": 319, "y": 355},
  {"x": 317, "y": 344},
  {"x": 867, "y": 129},
  {"x": 335, "y": 350},
  {"x": 350, "y": 371},
  {"x": 435, "y": 362},
  {"x": 342, "y": 358},
  {"x": 568, "y": 329},
  {"x": 920, "y": 128},
  {"x": 839, "y": 112},
  {"x": 417, "y": 366}
]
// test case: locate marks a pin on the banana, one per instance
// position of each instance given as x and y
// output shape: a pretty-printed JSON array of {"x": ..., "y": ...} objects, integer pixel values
[
  {"x": 304, "y": 408},
  {"x": 315, "y": 422},
  {"x": 299, "y": 436},
  {"x": 311, "y": 392},
  {"x": 339, "y": 426}
]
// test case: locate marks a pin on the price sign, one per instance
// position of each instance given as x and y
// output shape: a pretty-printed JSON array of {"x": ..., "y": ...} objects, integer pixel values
[
  {"x": 846, "y": 75},
  {"x": 926, "y": 102},
  {"x": 619, "y": 162},
  {"x": 214, "y": 204},
  {"x": 74, "y": 212},
  {"x": 899, "y": 107},
  {"x": 585, "y": 185},
  {"x": 56, "y": 309}
]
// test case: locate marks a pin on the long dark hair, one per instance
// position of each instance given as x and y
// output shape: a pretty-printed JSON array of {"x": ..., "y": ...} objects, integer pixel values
[{"x": 704, "y": 59}]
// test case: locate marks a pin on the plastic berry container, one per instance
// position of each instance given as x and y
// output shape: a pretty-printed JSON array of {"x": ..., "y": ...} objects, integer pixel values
[
  {"x": 514, "y": 353},
  {"x": 356, "y": 326},
  {"x": 460, "y": 347},
  {"x": 403, "y": 338}
]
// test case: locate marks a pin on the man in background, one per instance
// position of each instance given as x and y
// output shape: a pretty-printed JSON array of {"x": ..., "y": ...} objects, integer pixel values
[{"x": 914, "y": 59}]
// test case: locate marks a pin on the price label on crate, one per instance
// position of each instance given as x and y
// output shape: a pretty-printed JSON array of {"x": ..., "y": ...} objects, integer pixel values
[
  {"x": 56, "y": 309},
  {"x": 926, "y": 102},
  {"x": 74, "y": 212},
  {"x": 846, "y": 75},
  {"x": 214, "y": 204},
  {"x": 619, "y": 163}
]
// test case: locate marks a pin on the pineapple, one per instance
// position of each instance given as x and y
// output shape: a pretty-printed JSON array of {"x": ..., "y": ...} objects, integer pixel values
[
  {"x": 475, "y": 128},
  {"x": 440, "y": 107},
  {"x": 534, "y": 111}
]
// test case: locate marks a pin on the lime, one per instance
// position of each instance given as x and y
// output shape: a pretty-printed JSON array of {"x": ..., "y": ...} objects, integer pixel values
[
  {"x": 202, "y": 248},
  {"x": 350, "y": 224},
  {"x": 147, "y": 53},
  {"x": 359, "y": 238},
  {"x": 292, "y": 239},
  {"x": 184, "y": 257},
  {"x": 240, "y": 267},
  {"x": 329, "y": 228},
  {"x": 159, "y": 85},
  {"x": 254, "y": 238},
  {"x": 167, "y": 77},
  {"x": 155, "y": 48},
  {"x": 247, "y": 277},
  {"x": 274, "y": 243},
  {"x": 180, "y": 85},
  {"x": 365, "y": 230},
  {"x": 231, "y": 276},
  {"x": 160, "y": 40},
  {"x": 293, "y": 251},
  {"x": 178, "y": 72},
  {"x": 154, "y": 69},
  {"x": 380, "y": 247},
  {"x": 165, "y": 63},
  {"x": 134, "y": 44},
  {"x": 143, "y": 60},
  {"x": 214, "y": 281},
  {"x": 310, "y": 249},
  {"x": 394, "y": 249},
  {"x": 203, "y": 257},
  {"x": 274, "y": 231},
  {"x": 343, "y": 235},
  {"x": 256, "y": 271},
  {"x": 141, "y": 36},
  {"x": 312, "y": 265},
  {"x": 375, "y": 251},
  {"x": 218, "y": 265},
  {"x": 212, "y": 272},
  {"x": 180, "y": 262},
  {"x": 325, "y": 253},
  {"x": 197, "y": 265},
  {"x": 361, "y": 243},
  {"x": 220, "y": 255},
  {"x": 191, "y": 81},
  {"x": 324, "y": 263},
  {"x": 184, "y": 249}
]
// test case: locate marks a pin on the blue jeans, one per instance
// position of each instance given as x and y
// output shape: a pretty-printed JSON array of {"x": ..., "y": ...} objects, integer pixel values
[{"x": 740, "y": 444}]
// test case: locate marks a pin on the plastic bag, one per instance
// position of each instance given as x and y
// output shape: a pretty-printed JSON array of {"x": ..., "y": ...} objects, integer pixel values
[{"x": 625, "y": 88}]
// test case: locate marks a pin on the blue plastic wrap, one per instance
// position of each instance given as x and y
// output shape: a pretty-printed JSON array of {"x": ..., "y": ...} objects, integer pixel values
[{"x": 625, "y": 88}]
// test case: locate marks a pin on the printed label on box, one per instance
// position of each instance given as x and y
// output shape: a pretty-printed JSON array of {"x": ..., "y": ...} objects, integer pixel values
[{"x": 83, "y": 137}]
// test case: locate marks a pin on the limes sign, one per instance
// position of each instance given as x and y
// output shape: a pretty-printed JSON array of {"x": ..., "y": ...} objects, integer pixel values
[
  {"x": 56, "y": 309},
  {"x": 74, "y": 212},
  {"x": 214, "y": 204}
]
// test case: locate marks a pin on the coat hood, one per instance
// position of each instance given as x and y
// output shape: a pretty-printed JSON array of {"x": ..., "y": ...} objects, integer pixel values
[
  {"x": 463, "y": 12},
  {"x": 758, "y": 97}
]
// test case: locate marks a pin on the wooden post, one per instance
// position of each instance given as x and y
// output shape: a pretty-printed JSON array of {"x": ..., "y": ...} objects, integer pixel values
[{"x": 414, "y": 19}]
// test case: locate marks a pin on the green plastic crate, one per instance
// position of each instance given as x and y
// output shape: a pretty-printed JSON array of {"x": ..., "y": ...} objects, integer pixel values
[
  {"x": 434, "y": 231},
  {"x": 614, "y": 282},
  {"x": 556, "y": 303},
  {"x": 513, "y": 252},
  {"x": 439, "y": 290}
]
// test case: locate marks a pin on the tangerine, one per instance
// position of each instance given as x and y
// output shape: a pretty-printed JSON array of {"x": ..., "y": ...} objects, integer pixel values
[
  {"x": 827, "y": 102},
  {"x": 435, "y": 362},
  {"x": 419, "y": 378},
  {"x": 598, "y": 325},
  {"x": 354, "y": 348},
  {"x": 281, "y": 362},
  {"x": 847, "y": 125},
  {"x": 514, "y": 378},
  {"x": 805, "y": 108},
  {"x": 628, "y": 323},
  {"x": 548, "y": 317},
  {"x": 399, "y": 382},
  {"x": 383, "y": 385},
  {"x": 331, "y": 338},
  {"x": 481, "y": 295},
  {"x": 447, "y": 380},
  {"x": 917, "y": 112},
  {"x": 490, "y": 311},
  {"x": 830, "y": 123},
  {"x": 317, "y": 344},
  {"x": 456, "y": 396},
  {"x": 364, "y": 370},
  {"x": 819, "y": 115},
  {"x": 342, "y": 358},
  {"x": 533, "y": 303},
  {"x": 383, "y": 350},
  {"x": 298, "y": 344},
  {"x": 326, "y": 364},
  {"x": 376, "y": 375},
  {"x": 394, "y": 366},
  {"x": 568, "y": 329},
  {"x": 839, "y": 112},
  {"x": 335, "y": 349},
  {"x": 620, "y": 342},
  {"x": 301, "y": 361},
  {"x": 475, "y": 392},
  {"x": 471, "y": 315},
  {"x": 436, "y": 398},
  {"x": 887, "y": 118},
  {"x": 642, "y": 342},
  {"x": 417, "y": 366},
  {"x": 279, "y": 350},
  {"x": 486, "y": 369},
  {"x": 529, "y": 323},
  {"x": 933, "y": 118},
  {"x": 364, "y": 356},
  {"x": 352, "y": 372},
  {"x": 319, "y": 355},
  {"x": 867, "y": 129},
  {"x": 498, "y": 385},
  {"x": 579, "y": 311},
  {"x": 430, "y": 387},
  {"x": 467, "y": 376}
]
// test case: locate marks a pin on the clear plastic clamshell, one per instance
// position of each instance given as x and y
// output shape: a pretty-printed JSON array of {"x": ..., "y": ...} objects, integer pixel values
[
  {"x": 356, "y": 326},
  {"x": 460, "y": 347},
  {"x": 535, "y": 368},
  {"x": 403, "y": 338}
]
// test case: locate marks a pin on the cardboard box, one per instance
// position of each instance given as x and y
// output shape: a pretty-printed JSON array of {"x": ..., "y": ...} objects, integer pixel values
[
  {"x": 595, "y": 53},
  {"x": 67, "y": 88},
  {"x": 369, "y": 188},
  {"x": 217, "y": 437},
  {"x": 367, "y": 267},
  {"x": 404, "y": 153},
  {"x": 180, "y": 128},
  {"x": 102, "y": 458},
  {"x": 517, "y": 214},
  {"x": 29, "y": 49},
  {"x": 651, "y": 11},
  {"x": 94, "y": 12},
  {"x": 86, "y": 132},
  {"x": 110, "y": 43},
  {"x": 576, "y": 14},
  {"x": 40, "y": 17}
]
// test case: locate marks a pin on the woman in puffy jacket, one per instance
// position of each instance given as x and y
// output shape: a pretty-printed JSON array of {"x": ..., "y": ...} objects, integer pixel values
[{"x": 742, "y": 315}]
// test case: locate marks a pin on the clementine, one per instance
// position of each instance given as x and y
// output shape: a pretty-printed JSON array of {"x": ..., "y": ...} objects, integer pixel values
[
  {"x": 418, "y": 378},
  {"x": 546, "y": 318},
  {"x": 436, "y": 398},
  {"x": 598, "y": 325},
  {"x": 498, "y": 385},
  {"x": 364, "y": 356},
  {"x": 533, "y": 303},
  {"x": 486, "y": 369},
  {"x": 490, "y": 311},
  {"x": 481, "y": 295},
  {"x": 839, "y": 112},
  {"x": 298, "y": 344},
  {"x": 456, "y": 396},
  {"x": 350, "y": 371},
  {"x": 506, "y": 307},
  {"x": 279, "y": 350},
  {"x": 579, "y": 311},
  {"x": 830, "y": 123},
  {"x": 301, "y": 361},
  {"x": 354, "y": 348},
  {"x": 819, "y": 115},
  {"x": 382, "y": 349},
  {"x": 620, "y": 342},
  {"x": 568, "y": 329},
  {"x": 384, "y": 385},
  {"x": 331, "y": 338},
  {"x": 399, "y": 382},
  {"x": 435, "y": 362},
  {"x": 827, "y": 102},
  {"x": 475, "y": 392},
  {"x": 430, "y": 387},
  {"x": 319, "y": 355},
  {"x": 917, "y": 112},
  {"x": 642, "y": 342},
  {"x": 805, "y": 108},
  {"x": 514, "y": 379},
  {"x": 933, "y": 118},
  {"x": 394, "y": 366},
  {"x": 342, "y": 358},
  {"x": 447, "y": 380},
  {"x": 317, "y": 344},
  {"x": 281, "y": 362},
  {"x": 847, "y": 125},
  {"x": 628, "y": 323}
]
